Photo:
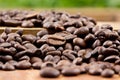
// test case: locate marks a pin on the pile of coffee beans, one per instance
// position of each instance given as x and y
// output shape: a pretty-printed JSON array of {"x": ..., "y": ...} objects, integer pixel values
[
  {"x": 47, "y": 19},
  {"x": 69, "y": 45}
]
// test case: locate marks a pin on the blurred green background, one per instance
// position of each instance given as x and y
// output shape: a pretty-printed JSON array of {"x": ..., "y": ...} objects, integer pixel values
[{"x": 58, "y": 3}]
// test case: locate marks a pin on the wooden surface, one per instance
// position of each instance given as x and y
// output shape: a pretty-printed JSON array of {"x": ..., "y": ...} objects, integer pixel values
[{"x": 34, "y": 74}]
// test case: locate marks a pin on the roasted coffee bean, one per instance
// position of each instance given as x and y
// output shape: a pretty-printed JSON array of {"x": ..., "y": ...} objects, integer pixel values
[
  {"x": 68, "y": 46},
  {"x": 25, "y": 58},
  {"x": 71, "y": 29},
  {"x": 48, "y": 58},
  {"x": 70, "y": 71},
  {"x": 12, "y": 62},
  {"x": 116, "y": 68},
  {"x": 77, "y": 61},
  {"x": 110, "y": 51},
  {"x": 5, "y": 45},
  {"x": 69, "y": 54},
  {"x": 48, "y": 49},
  {"x": 6, "y": 57},
  {"x": 56, "y": 40},
  {"x": 107, "y": 26},
  {"x": 54, "y": 53},
  {"x": 107, "y": 43},
  {"x": 30, "y": 38},
  {"x": 96, "y": 44},
  {"x": 89, "y": 39},
  {"x": 7, "y": 30},
  {"x": 82, "y": 31},
  {"x": 1, "y": 64},
  {"x": 23, "y": 65},
  {"x": 35, "y": 59},
  {"x": 20, "y": 32},
  {"x": 111, "y": 58},
  {"x": 49, "y": 72},
  {"x": 8, "y": 67},
  {"x": 48, "y": 64},
  {"x": 76, "y": 48},
  {"x": 117, "y": 61},
  {"x": 19, "y": 47},
  {"x": 81, "y": 53},
  {"x": 60, "y": 49},
  {"x": 42, "y": 32},
  {"x": 56, "y": 59},
  {"x": 37, "y": 65},
  {"x": 95, "y": 71},
  {"x": 80, "y": 42},
  {"x": 68, "y": 36},
  {"x": 28, "y": 24},
  {"x": 107, "y": 73}
]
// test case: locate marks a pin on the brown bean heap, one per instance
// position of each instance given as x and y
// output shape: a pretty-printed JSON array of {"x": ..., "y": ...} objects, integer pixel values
[
  {"x": 50, "y": 19},
  {"x": 70, "y": 51}
]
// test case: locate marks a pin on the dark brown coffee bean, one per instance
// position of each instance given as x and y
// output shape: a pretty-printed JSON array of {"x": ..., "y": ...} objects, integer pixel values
[
  {"x": 20, "y": 32},
  {"x": 63, "y": 63},
  {"x": 28, "y": 24},
  {"x": 111, "y": 58},
  {"x": 82, "y": 31},
  {"x": 66, "y": 35},
  {"x": 77, "y": 61},
  {"x": 70, "y": 71},
  {"x": 23, "y": 65},
  {"x": 116, "y": 68},
  {"x": 48, "y": 25},
  {"x": 24, "y": 58},
  {"x": 107, "y": 43},
  {"x": 12, "y": 23},
  {"x": 56, "y": 40},
  {"x": 71, "y": 29},
  {"x": 54, "y": 53},
  {"x": 7, "y": 30},
  {"x": 69, "y": 54},
  {"x": 6, "y": 57},
  {"x": 48, "y": 64},
  {"x": 110, "y": 51},
  {"x": 49, "y": 72},
  {"x": 95, "y": 71},
  {"x": 48, "y": 58},
  {"x": 117, "y": 61},
  {"x": 4, "y": 36},
  {"x": 107, "y": 73},
  {"x": 56, "y": 59},
  {"x": 68, "y": 46},
  {"x": 58, "y": 26},
  {"x": 113, "y": 35},
  {"x": 96, "y": 44},
  {"x": 8, "y": 67},
  {"x": 81, "y": 52},
  {"x": 37, "y": 65},
  {"x": 76, "y": 48},
  {"x": 12, "y": 62},
  {"x": 80, "y": 42},
  {"x": 30, "y": 38},
  {"x": 35, "y": 59},
  {"x": 107, "y": 26},
  {"x": 42, "y": 33},
  {"x": 48, "y": 49},
  {"x": 19, "y": 47},
  {"x": 89, "y": 39},
  {"x": 5, "y": 45}
]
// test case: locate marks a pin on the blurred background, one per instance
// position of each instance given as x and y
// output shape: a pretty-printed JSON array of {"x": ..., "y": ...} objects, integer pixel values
[
  {"x": 101, "y": 10},
  {"x": 58, "y": 3}
]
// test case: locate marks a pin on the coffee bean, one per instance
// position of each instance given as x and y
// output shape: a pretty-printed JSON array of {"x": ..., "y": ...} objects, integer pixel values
[
  {"x": 1, "y": 64},
  {"x": 8, "y": 67},
  {"x": 30, "y": 38},
  {"x": 35, "y": 59},
  {"x": 49, "y": 72},
  {"x": 96, "y": 44},
  {"x": 48, "y": 64},
  {"x": 107, "y": 73},
  {"x": 95, "y": 71},
  {"x": 76, "y": 48},
  {"x": 107, "y": 43},
  {"x": 71, "y": 29},
  {"x": 56, "y": 40},
  {"x": 68, "y": 46},
  {"x": 5, "y": 45},
  {"x": 112, "y": 58},
  {"x": 70, "y": 71},
  {"x": 107, "y": 26},
  {"x": 77, "y": 61},
  {"x": 37, "y": 65},
  {"x": 23, "y": 65},
  {"x": 80, "y": 42},
  {"x": 7, "y": 30},
  {"x": 82, "y": 31},
  {"x": 27, "y": 24},
  {"x": 54, "y": 53},
  {"x": 116, "y": 68},
  {"x": 42, "y": 32}
]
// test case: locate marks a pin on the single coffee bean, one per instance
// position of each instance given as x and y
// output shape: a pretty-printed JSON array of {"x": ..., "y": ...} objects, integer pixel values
[
  {"x": 95, "y": 71},
  {"x": 70, "y": 71},
  {"x": 8, "y": 67},
  {"x": 27, "y": 24},
  {"x": 116, "y": 68},
  {"x": 56, "y": 40},
  {"x": 80, "y": 42},
  {"x": 54, "y": 53},
  {"x": 5, "y": 45},
  {"x": 7, "y": 30},
  {"x": 107, "y": 26},
  {"x": 49, "y": 72},
  {"x": 76, "y": 48},
  {"x": 42, "y": 32},
  {"x": 23, "y": 65},
  {"x": 71, "y": 29},
  {"x": 37, "y": 65},
  {"x": 30, "y": 38},
  {"x": 96, "y": 44},
  {"x": 111, "y": 58},
  {"x": 77, "y": 61},
  {"x": 107, "y": 43},
  {"x": 48, "y": 64},
  {"x": 35, "y": 59},
  {"x": 56, "y": 59},
  {"x": 107, "y": 73},
  {"x": 68, "y": 46},
  {"x": 24, "y": 58},
  {"x": 82, "y": 31}
]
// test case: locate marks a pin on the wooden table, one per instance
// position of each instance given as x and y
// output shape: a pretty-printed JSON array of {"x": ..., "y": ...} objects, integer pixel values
[{"x": 35, "y": 75}]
